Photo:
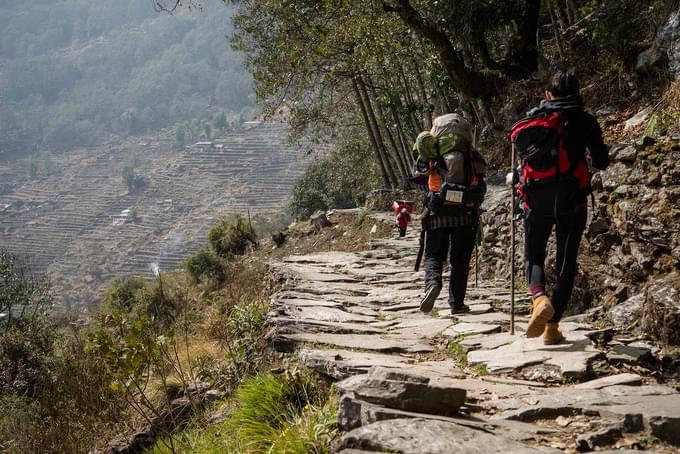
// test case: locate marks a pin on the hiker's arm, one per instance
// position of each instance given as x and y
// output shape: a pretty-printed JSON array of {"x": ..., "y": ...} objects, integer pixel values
[{"x": 598, "y": 149}]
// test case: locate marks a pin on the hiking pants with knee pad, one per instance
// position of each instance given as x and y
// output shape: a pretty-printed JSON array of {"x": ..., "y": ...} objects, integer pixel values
[
  {"x": 568, "y": 231},
  {"x": 457, "y": 243}
]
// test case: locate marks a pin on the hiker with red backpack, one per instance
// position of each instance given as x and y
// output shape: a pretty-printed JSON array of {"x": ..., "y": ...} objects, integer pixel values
[
  {"x": 552, "y": 147},
  {"x": 453, "y": 173}
]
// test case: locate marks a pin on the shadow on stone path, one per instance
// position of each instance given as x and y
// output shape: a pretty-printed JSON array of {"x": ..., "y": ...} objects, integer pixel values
[{"x": 354, "y": 317}]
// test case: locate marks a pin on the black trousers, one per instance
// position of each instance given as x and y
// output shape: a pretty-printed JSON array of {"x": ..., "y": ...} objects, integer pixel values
[
  {"x": 568, "y": 232},
  {"x": 457, "y": 243}
]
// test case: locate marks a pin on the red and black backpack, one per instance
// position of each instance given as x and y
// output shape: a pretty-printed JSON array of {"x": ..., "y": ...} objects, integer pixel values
[{"x": 549, "y": 169}]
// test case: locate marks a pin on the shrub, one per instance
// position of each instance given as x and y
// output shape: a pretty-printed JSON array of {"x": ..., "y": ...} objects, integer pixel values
[
  {"x": 53, "y": 396},
  {"x": 205, "y": 266},
  {"x": 132, "y": 180},
  {"x": 26, "y": 333},
  {"x": 25, "y": 350},
  {"x": 136, "y": 297},
  {"x": 232, "y": 236},
  {"x": 341, "y": 180}
]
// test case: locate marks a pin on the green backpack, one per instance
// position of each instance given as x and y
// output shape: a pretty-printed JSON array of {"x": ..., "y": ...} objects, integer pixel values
[{"x": 450, "y": 132}]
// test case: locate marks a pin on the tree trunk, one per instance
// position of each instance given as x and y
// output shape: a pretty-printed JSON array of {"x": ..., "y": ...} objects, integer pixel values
[
  {"x": 376, "y": 131},
  {"x": 562, "y": 16},
  {"x": 405, "y": 148},
  {"x": 526, "y": 55},
  {"x": 484, "y": 54},
  {"x": 401, "y": 165},
  {"x": 425, "y": 99},
  {"x": 448, "y": 103},
  {"x": 411, "y": 128},
  {"x": 369, "y": 130},
  {"x": 571, "y": 10},
  {"x": 558, "y": 34},
  {"x": 409, "y": 99}
]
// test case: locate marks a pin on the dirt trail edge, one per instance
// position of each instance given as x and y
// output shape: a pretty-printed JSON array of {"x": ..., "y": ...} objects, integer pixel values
[{"x": 417, "y": 383}]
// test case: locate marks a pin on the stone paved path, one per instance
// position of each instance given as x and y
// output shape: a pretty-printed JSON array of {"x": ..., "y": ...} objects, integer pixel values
[{"x": 354, "y": 317}]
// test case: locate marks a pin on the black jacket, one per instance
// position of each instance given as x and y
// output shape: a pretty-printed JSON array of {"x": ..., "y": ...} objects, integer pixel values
[{"x": 582, "y": 130}]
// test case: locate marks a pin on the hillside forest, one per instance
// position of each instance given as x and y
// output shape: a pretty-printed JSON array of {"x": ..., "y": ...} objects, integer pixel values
[{"x": 73, "y": 72}]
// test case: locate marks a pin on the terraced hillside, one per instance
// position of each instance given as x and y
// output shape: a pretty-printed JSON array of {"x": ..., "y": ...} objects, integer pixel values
[{"x": 82, "y": 226}]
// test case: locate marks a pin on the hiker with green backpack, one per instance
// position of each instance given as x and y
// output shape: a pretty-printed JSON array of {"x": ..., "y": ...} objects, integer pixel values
[
  {"x": 552, "y": 148},
  {"x": 452, "y": 172}
]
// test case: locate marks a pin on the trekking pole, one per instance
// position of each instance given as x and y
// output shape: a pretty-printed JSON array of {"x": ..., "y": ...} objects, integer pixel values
[
  {"x": 474, "y": 146},
  {"x": 476, "y": 266},
  {"x": 512, "y": 244}
]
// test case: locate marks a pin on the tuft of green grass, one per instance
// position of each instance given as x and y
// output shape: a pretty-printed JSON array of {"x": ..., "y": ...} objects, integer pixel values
[
  {"x": 434, "y": 313},
  {"x": 567, "y": 380},
  {"x": 647, "y": 440},
  {"x": 458, "y": 352},
  {"x": 273, "y": 414},
  {"x": 482, "y": 370},
  {"x": 361, "y": 216}
]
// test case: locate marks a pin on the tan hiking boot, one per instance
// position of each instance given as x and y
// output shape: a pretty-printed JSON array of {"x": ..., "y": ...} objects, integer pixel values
[
  {"x": 542, "y": 311},
  {"x": 552, "y": 334}
]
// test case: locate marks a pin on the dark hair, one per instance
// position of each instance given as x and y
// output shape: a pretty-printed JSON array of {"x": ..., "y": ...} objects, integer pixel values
[{"x": 563, "y": 83}]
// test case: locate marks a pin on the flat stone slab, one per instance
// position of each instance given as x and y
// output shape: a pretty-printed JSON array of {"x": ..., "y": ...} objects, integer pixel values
[
  {"x": 658, "y": 405},
  {"x": 400, "y": 389},
  {"x": 420, "y": 436},
  {"x": 355, "y": 413},
  {"x": 362, "y": 341},
  {"x": 330, "y": 257},
  {"x": 327, "y": 314},
  {"x": 571, "y": 357},
  {"x": 413, "y": 304},
  {"x": 612, "y": 380},
  {"x": 487, "y": 342},
  {"x": 442, "y": 305},
  {"x": 421, "y": 326},
  {"x": 305, "y": 302},
  {"x": 319, "y": 326},
  {"x": 471, "y": 328},
  {"x": 629, "y": 354},
  {"x": 494, "y": 318},
  {"x": 341, "y": 364}
]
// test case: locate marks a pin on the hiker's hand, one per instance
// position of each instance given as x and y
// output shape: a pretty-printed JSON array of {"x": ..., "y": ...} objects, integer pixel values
[{"x": 509, "y": 179}]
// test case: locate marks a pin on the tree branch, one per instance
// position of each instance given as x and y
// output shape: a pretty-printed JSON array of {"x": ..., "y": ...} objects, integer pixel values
[{"x": 471, "y": 83}]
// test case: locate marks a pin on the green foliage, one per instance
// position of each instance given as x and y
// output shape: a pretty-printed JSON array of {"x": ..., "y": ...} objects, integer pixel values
[
  {"x": 232, "y": 236},
  {"x": 132, "y": 180},
  {"x": 220, "y": 121},
  {"x": 134, "y": 298},
  {"x": 205, "y": 266},
  {"x": 26, "y": 334},
  {"x": 78, "y": 71},
  {"x": 458, "y": 352},
  {"x": 53, "y": 396},
  {"x": 340, "y": 180},
  {"x": 25, "y": 349},
  {"x": 276, "y": 414},
  {"x": 15, "y": 415},
  {"x": 482, "y": 370},
  {"x": 237, "y": 326}
]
